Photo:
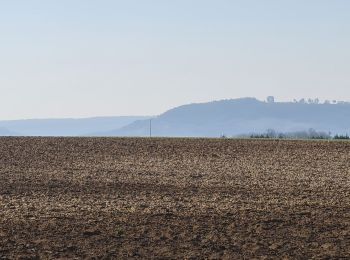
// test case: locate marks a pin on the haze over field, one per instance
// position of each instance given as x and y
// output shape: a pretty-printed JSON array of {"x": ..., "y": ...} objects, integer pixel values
[
  {"x": 229, "y": 117},
  {"x": 64, "y": 127}
]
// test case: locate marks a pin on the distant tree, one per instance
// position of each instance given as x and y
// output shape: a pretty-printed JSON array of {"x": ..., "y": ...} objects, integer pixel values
[
  {"x": 270, "y": 99},
  {"x": 302, "y": 101},
  {"x": 310, "y": 134},
  {"x": 341, "y": 137},
  {"x": 343, "y": 103},
  {"x": 282, "y": 136},
  {"x": 271, "y": 133},
  {"x": 313, "y": 134}
]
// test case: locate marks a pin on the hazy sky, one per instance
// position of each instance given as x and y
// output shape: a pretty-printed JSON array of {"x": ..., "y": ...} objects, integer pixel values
[{"x": 80, "y": 58}]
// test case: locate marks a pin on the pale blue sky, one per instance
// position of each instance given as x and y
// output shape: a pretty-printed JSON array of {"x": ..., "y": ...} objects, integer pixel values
[{"x": 81, "y": 58}]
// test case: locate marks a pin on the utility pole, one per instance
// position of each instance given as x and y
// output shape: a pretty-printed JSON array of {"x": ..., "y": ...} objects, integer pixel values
[{"x": 150, "y": 128}]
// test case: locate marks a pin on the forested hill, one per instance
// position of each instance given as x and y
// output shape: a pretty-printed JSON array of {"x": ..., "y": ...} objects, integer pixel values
[{"x": 242, "y": 116}]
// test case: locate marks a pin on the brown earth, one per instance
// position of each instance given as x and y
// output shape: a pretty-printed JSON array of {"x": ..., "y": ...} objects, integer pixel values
[{"x": 174, "y": 198}]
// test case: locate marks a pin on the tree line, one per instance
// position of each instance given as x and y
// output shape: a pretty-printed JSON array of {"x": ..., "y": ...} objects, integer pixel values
[{"x": 309, "y": 134}]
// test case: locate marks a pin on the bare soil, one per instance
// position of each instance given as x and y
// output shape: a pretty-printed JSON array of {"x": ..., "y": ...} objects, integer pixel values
[{"x": 174, "y": 198}]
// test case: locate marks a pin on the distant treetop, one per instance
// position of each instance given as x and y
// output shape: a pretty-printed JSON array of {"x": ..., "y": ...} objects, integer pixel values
[{"x": 270, "y": 99}]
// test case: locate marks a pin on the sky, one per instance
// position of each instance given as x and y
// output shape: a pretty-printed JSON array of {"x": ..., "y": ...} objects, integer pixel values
[{"x": 84, "y": 58}]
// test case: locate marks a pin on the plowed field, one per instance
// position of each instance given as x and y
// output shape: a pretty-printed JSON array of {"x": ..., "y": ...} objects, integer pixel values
[{"x": 173, "y": 198}]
